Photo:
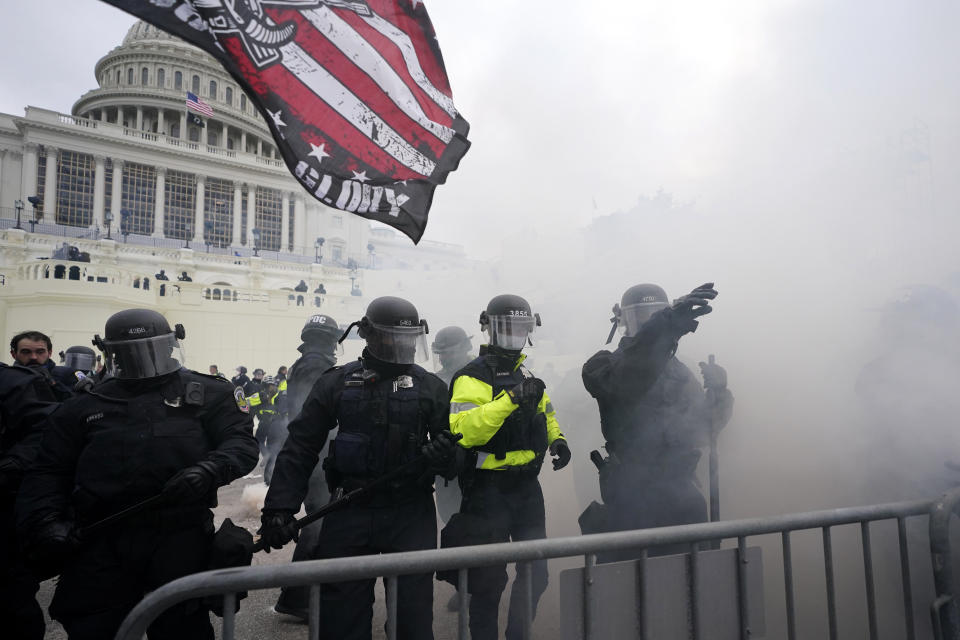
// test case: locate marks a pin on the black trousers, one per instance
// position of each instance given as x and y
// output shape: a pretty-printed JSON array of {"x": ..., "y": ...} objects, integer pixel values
[
  {"x": 643, "y": 496},
  {"x": 346, "y": 608},
  {"x": 512, "y": 504},
  {"x": 318, "y": 495},
  {"x": 21, "y": 616},
  {"x": 115, "y": 570}
]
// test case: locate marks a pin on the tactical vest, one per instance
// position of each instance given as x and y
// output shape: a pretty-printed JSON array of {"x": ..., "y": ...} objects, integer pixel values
[
  {"x": 379, "y": 425},
  {"x": 525, "y": 428}
]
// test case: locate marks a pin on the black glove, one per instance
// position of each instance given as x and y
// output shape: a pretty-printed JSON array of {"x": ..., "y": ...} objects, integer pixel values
[
  {"x": 693, "y": 305},
  {"x": 714, "y": 376},
  {"x": 85, "y": 383},
  {"x": 277, "y": 528},
  {"x": 560, "y": 452},
  {"x": 55, "y": 537},
  {"x": 527, "y": 392},
  {"x": 192, "y": 483},
  {"x": 441, "y": 449}
]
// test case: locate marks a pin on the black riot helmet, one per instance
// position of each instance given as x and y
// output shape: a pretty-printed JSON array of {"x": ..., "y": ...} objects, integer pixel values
[
  {"x": 139, "y": 343},
  {"x": 393, "y": 330},
  {"x": 79, "y": 358},
  {"x": 451, "y": 345},
  {"x": 320, "y": 328},
  {"x": 637, "y": 304},
  {"x": 509, "y": 322}
]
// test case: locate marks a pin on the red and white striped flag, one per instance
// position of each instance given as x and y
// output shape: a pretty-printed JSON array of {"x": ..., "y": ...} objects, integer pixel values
[
  {"x": 354, "y": 91},
  {"x": 196, "y": 104}
]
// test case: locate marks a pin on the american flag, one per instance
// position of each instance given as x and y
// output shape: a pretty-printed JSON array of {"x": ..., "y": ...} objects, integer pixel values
[
  {"x": 196, "y": 104},
  {"x": 354, "y": 91}
]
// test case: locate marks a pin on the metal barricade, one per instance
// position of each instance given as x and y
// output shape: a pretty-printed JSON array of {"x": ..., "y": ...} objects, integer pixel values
[{"x": 229, "y": 582}]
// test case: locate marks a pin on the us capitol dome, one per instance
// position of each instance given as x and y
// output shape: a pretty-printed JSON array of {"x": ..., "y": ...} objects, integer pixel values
[{"x": 130, "y": 181}]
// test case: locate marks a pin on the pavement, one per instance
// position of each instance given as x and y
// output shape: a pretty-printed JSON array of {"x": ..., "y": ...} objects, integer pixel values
[{"x": 257, "y": 619}]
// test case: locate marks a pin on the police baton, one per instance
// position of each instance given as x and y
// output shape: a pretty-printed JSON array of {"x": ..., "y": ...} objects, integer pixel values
[
  {"x": 354, "y": 495},
  {"x": 714, "y": 461}
]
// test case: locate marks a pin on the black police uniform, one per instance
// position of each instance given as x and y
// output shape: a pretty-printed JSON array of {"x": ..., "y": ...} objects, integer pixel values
[
  {"x": 655, "y": 417},
  {"x": 118, "y": 445},
  {"x": 384, "y": 413},
  {"x": 304, "y": 373},
  {"x": 25, "y": 401}
]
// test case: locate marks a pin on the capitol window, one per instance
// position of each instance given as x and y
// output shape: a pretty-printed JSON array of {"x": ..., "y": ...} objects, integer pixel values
[
  {"x": 144, "y": 76},
  {"x": 218, "y": 205},
  {"x": 269, "y": 208},
  {"x": 195, "y": 84},
  {"x": 177, "y": 80},
  {"x": 74, "y": 189},
  {"x": 118, "y": 77},
  {"x": 139, "y": 191},
  {"x": 213, "y": 89},
  {"x": 229, "y": 96},
  {"x": 129, "y": 76},
  {"x": 161, "y": 77},
  {"x": 180, "y": 201},
  {"x": 243, "y": 102}
]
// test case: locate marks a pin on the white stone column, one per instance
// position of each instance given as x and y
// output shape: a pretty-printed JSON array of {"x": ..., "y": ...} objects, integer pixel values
[
  {"x": 224, "y": 133},
  {"x": 285, "y": 221},
  {"x": 237, "y": 204},
  {"x": 160, "y": 123},
  {"x": 159, "y": 206},
  {"x": 28, "y": 179},
  {"x": 251, "y": 213},
  {"x": 183, "y": 125},
  {"x": 198, "y": 218},
  {"x": 116, "y": 192},
  {"x": 243, "y": 141},
  {"x": 259, "y": 147},
  {"x": 50, "y": 186},
  {"x": 299, "y": 218},
  {"x": 139, "y": 118},
  {"x": 3, "y": 152},
  {"x": 98, "y": 194}
]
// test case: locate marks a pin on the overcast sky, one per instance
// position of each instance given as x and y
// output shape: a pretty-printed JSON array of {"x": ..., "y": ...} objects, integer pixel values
[{"x": 577, "y": 109}]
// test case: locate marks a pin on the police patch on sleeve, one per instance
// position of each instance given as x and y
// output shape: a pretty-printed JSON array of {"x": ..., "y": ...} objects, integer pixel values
[{"x": 241, "y": 399}]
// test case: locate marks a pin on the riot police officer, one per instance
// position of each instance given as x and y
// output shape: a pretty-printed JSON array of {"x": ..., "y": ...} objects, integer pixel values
[
  {"x": 270, "y": 407},
  {"x": 78, "y": 363},
  {"x": 153, "y": 430},
  {"x": 508, "y": 422},
  {"x": 318, "y": 351},
  {"x": 451, "y": 351},
  {"x": 26, "y": 399},
  {"x": 384, "y": 407},
  {"x": 654, "y": 413}
]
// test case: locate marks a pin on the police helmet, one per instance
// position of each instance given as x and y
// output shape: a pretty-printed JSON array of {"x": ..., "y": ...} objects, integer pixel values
[
  {"x": 509, "y": 321},
  {"x": 320, "y": 328},
  {"x": 268, "y": 380},
  {"x": 139, "y": 343},
  {"x": 451, "y": 339},
  {"x": 393, "y": 330},
  {"x": 80, "y": 358},
  {"x": 637, "y": 304}
]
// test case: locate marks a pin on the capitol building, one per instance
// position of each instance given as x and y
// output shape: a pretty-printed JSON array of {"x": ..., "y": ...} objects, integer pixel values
[{"x": 95, "y": 203}]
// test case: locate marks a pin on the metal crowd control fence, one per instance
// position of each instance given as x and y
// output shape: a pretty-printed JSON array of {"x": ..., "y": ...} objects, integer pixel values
[{"x": 228, "y": 582}]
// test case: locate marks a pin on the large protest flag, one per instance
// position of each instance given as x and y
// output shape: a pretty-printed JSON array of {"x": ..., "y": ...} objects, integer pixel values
[{"x": 354, "y": 91}]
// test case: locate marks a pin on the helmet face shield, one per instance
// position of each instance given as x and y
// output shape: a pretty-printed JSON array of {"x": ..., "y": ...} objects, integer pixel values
[
  {"x": 79, "y": 361},
  {"x": 399, "y": 345},
  {"x": 633, "y": 316},
  {"x": 510, "y": 332},
  {"x": 143, "y": 358}
]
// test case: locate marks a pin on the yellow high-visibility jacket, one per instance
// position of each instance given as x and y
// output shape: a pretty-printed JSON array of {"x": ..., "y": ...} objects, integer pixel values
[{"x": 480, "y": 407}]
